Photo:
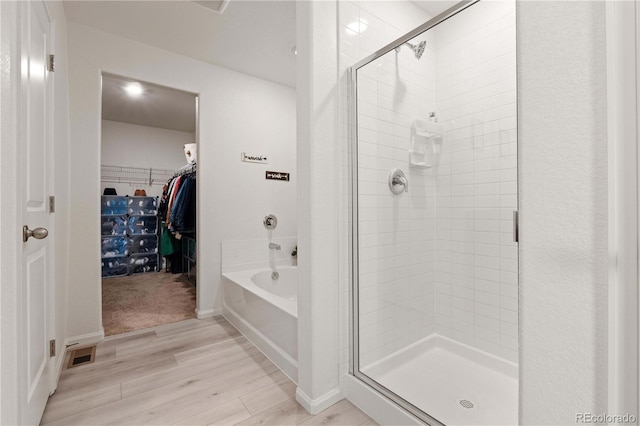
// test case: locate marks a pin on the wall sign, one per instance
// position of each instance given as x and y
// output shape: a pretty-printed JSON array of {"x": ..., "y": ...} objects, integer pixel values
[
  {"x": 253, "y": 158},
  {"x": 278, "y": 176}
]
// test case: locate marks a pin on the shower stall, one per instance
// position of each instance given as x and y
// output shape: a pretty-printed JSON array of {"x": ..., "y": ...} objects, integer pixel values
[{"x": 434, "y": 200}]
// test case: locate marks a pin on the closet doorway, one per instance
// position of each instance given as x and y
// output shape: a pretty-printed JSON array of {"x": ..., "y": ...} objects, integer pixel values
[{"x": 148, "y": 204}]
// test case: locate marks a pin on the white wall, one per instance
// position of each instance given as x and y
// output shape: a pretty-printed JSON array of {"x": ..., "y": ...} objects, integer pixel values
[
  {"x": 563, "y": 205},
  {"x": 132, "y": 145},
  {"x": 318, "y": 254},
  {"x": 477, "y": 260},
  {"x": 237, "y": 113}
]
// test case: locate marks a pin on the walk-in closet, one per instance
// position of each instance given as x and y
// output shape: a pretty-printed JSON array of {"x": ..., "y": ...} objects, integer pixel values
[{"x": 148, "y": 204}]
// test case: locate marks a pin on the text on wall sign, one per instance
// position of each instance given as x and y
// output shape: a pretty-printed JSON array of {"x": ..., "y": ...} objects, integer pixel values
[
  {"x": 277, "y": 176},
  {"x": 253, "y": 158}
]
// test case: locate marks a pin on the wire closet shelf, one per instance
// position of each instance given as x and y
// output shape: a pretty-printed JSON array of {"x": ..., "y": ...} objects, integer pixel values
[{"x": 135, "y": 175}]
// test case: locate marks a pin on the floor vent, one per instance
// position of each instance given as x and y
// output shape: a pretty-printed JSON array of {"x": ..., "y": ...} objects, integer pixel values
[
  {"x": 467, "y": 404},
  {"x": 82, "y": 356}
]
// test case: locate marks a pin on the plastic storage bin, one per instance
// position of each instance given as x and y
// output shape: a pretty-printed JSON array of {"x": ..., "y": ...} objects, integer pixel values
[
  {"x": 142, "y": 225},
  {"x": 129, "y": 235},
  {"x": 114, "y": 225},
  {"x": 141, "y": 244},
  {"x": 141, "y": 206},
  {"x": 114, "y": 246},
  {"x": 115, "y": 266},
  {"x": 113, "y": 205},
  {"x": 143, "y": 263}
]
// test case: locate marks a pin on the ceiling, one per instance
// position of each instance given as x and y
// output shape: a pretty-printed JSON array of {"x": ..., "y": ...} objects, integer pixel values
[
  {"x": 435, "y": 7},
  {"x": 157, "y": 106},
  {"x": 252, "y": 37},
  {"x": 255, "y": 37}
]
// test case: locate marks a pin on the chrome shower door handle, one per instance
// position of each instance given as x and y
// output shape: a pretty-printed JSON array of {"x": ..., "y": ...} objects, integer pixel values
[{"x": 398, "y": 182}]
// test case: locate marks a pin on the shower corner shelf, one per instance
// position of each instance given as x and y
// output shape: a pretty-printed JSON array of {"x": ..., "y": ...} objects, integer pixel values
[
  {"x": 418, "y": 159},
  {"x": 426, "y": 135}
]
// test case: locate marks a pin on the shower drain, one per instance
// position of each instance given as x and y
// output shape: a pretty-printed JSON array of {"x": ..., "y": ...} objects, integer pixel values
[{"x": 465, "y": 403}]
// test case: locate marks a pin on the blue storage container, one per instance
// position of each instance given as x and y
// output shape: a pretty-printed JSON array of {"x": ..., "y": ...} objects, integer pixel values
[
  {"x": 114, "y": 205},
  {"x": 114, "y": 225},
  {"x": 141, "y": 206},
  {"x": 140, "y": 244},
  {"x": 142, "y": 225},
  {"x": 129, "y": 235},
  {"x": 143, "y": 263},
  {"x": 115, "y": 266},
  {"x": 114, "y": 246}
]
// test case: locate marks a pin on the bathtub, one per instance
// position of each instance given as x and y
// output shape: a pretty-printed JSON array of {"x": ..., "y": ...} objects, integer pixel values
[{"x": 265, "y": 310}]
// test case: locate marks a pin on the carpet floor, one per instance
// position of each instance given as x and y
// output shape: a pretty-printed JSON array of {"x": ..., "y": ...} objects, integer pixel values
[{"x": 146, "y": 300}]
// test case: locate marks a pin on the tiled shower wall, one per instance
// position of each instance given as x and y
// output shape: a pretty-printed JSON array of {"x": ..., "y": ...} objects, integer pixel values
[
  {"x": 397, "y": 233},
  {"x": 438, "y": 259},
  {"x": 476, "y": 187}
]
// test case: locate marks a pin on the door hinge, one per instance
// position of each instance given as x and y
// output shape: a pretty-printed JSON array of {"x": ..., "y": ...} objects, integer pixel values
[
  {"x": 516, "y": 229},
  {"x": 52, "y": 204},
  {"x": 52, "y": 348},
  {"x": 51, "y": 66}
]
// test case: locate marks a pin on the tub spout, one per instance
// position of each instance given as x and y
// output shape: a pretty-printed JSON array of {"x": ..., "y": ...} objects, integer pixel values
[{"x": 274, "y": 246}]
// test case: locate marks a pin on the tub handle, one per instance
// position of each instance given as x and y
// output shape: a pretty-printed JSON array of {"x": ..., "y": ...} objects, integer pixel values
[{"x": 270, "y": 221}]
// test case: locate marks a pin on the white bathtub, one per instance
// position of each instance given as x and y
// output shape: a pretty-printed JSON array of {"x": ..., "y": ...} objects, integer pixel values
[{"x": 266, "y": 311}]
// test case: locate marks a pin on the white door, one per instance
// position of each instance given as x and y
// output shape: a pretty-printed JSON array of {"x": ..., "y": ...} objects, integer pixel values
[{"x": 34, "y": 313}]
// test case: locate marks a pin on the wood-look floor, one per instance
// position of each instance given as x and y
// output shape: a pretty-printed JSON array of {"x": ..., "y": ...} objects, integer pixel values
[{"x": 194, "y": 372}]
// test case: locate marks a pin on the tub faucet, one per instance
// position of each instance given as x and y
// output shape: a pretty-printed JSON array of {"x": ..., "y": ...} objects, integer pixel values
[{"x": 274, "y": 246}]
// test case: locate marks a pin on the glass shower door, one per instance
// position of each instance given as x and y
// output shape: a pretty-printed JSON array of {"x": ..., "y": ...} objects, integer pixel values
[{"x": 435, "y": 187}]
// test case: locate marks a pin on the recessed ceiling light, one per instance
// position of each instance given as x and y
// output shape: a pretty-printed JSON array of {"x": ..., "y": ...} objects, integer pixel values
[
  {"x": 358, "y": 26},
  {"x": 133, "y": 89},
  {"x": 294, "y": 50}
]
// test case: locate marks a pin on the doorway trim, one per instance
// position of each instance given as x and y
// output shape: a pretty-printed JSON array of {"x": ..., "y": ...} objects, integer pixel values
[
  {"x": 622, "y": 23},
  {"x": 200, "y": 314}
]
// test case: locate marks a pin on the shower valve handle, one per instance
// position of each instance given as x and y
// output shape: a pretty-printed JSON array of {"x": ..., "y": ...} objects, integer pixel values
[{"x": 398, "y": 182}]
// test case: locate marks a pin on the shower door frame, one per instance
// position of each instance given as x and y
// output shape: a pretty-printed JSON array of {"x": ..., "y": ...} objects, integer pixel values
[{"x": 354, "y": 364}]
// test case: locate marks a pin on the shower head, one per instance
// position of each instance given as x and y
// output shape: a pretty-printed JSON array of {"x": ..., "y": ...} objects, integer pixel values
[{"x": 418, "y": 49}]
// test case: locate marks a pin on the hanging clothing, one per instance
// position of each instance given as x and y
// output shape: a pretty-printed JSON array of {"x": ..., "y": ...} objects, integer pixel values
[
  {"x": 168, "y": 243},
  {"x": 173, "y": 191},
  {"x": 183, "y": 213},
  {"x": 178, "y": 204}
]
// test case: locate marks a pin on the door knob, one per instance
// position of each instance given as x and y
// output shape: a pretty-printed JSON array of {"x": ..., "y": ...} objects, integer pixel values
[{"x": 38, "y": 233}]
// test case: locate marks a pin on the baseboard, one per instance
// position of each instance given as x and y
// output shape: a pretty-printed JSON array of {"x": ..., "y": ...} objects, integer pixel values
[
  {"x": 314, "y": 406},
  {"x": 82, "y": 340},
  {"x": 85, "y": 339},
  {"x": 207, "y": 313}
]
